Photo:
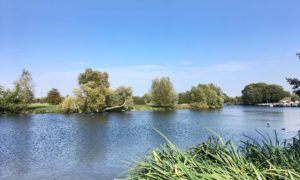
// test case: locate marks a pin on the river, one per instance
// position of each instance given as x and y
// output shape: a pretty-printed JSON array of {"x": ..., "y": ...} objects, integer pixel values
[{"x": 98, "y": 146}]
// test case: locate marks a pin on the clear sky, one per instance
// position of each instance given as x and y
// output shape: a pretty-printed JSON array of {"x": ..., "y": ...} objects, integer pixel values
[{"x": 230, "y": 43}]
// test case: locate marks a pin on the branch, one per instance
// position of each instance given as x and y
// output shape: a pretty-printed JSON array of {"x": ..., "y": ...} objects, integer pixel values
[{"x": 115, "y": 107}]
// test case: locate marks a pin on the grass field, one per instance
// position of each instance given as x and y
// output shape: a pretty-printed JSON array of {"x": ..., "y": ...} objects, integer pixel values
[{"x": 40, "y": 108}]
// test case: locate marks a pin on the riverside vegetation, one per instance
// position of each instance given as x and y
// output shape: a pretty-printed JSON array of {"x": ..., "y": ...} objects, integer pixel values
[
  {"x": 219, "y": 159},
  {"x": 94, "y": 95}
]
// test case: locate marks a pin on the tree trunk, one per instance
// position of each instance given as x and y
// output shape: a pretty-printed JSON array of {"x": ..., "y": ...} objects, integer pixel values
[{"x": 115, "y": 107}]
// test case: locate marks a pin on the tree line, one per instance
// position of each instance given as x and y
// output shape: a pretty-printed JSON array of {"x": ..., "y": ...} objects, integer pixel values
[{"x": 94, "y": 94}]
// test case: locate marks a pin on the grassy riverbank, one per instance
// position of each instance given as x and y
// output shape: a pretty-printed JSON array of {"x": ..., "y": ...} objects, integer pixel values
[
  {"x": 216, "y": 159},
  {"x": 41, "y": 108}
]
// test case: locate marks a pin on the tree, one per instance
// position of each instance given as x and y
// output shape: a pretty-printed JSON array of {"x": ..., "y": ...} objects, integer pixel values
[
  {"x": 162, "y": 93},
  {"x": 10, "y": 101},
  {"x": 295, "y": 97},
  {"x": 94, "y": 95},
  {"x": 296, "y": 85},
  {"x": 184, "y": 98},
  {"x": 295, "y": 82},
  {"x": 70, "y": 105},
  {"x": 54, "y": 97},
  {"x": 121, "y": 99},
  {"x": 25, "y": 88},
  {"x": 147, "y": 98},
  {"x": 206, "y": 96},
  {"x": 257, "y": 93},
  {"x": 138, "y": 100}
]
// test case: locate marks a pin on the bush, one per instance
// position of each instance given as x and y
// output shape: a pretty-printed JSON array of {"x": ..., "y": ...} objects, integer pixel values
[{"x": 70, "y": 105}]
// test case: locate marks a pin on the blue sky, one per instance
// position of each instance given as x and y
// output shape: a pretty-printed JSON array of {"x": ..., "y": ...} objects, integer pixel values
[{"x": 230, "y": 43}]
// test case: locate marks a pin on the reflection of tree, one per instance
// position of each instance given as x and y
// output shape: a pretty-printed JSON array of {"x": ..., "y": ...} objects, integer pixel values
[
  {"x": 91, "y": 138},
  {"x": 165, "y": 122}
]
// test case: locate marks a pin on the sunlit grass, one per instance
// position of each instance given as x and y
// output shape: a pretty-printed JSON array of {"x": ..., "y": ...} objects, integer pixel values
[
  {"x": 218, "y": 159},
  {"x": 39, "y": 108}
]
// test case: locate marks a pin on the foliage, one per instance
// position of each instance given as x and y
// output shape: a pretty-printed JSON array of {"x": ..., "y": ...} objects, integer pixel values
[
  {"x": 296, "y": 85},
  {"x": 54, "y": 97},
  {"x": 204, "y": 96},
  {"x": 97, "y": 77},
  {"x": 138, "y": 100},
  {"x": 10, "y": 101},
  {"x": 263, "y": 93},
  {"x": 94, "y": 95},
  {"x": 25, "y": 87},
  {"x": 184, "y": 98},
  {"x": 233, "y": 100},
  {"x": 162, "y": 93},
  {"x": 70, "y": 105},
  {"x": 147, "y": 98},
  {"x": 217, "y": 159},
  {"x": 121, "y": 96},
  {"x": 295, "y": 97}
]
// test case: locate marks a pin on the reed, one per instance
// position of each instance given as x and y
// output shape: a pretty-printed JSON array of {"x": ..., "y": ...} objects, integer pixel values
[{"x": 217, "y": 159}]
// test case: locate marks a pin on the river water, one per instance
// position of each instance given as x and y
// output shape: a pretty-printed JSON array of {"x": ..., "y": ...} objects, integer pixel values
[{"x": 99, "y": 146}]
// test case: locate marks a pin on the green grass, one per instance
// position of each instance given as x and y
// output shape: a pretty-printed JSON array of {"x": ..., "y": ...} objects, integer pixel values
[
  {"x": 41, "y": 108},
  {"x": 218, "y": 159},
  {"x": 146, "y": 108}
]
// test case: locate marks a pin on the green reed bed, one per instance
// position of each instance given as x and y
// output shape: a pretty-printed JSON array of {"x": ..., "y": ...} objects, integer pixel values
[{"x": 218, "y": 159}]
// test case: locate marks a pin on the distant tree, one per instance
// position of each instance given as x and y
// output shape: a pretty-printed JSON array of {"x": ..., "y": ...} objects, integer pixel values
[
  {"x": 138, "y": 100},
  {"x": 98, "y": 78},
  {"x": 70, "y": 105},
  {"x": 206, "y": 96},
  {"x": 184, "y": 97},
  {"x": 10, "y": 101},
  {"x": 162, "y": 93},
  {"x": 296, "y": 85},
  {"x": 147, "y": 98},
  {"x": 121, "y": 97},
  {"x": 25, "y": 88},
  {"x": 94, "y": 95},
  {"x": 233, "y": 100},
  {"x": 93, "y": 92},
  {"x": 295, "y": 97},
  {"x": 256, "y": 93},
  {"x": 295, "y": 82},
  {"x": 54, "y": 97}
]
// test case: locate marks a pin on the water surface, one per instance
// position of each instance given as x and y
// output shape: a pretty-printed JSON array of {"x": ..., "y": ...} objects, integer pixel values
[{"x": 86, "y": 146}]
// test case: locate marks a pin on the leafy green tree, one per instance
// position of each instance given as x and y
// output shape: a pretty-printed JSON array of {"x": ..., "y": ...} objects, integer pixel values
[
  {"x": 256, "y": 93},
  {"x": 10, "y": 101},
  {"x": 121, "y": 97},
  {"x": 138, "y": 100},
  {"x": 98, "y": 78},
  {"x": 25, "y": 88},
  {"x": 162, "y": 93},
  {"x": 184, "y": 98},
  {"x": 206, "y": 96},
  {"x": 233, "y": 100},
  {"x": 54, "y": 97},
  {"x": 296, "y": 85},
  {"x": 295, "y": 97},
  {"x": 147, "y": 98},
  {"x": 70, "y": 105},
  {"x": 94, "y": 95},
  {"x": 295, "y": 82}
]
